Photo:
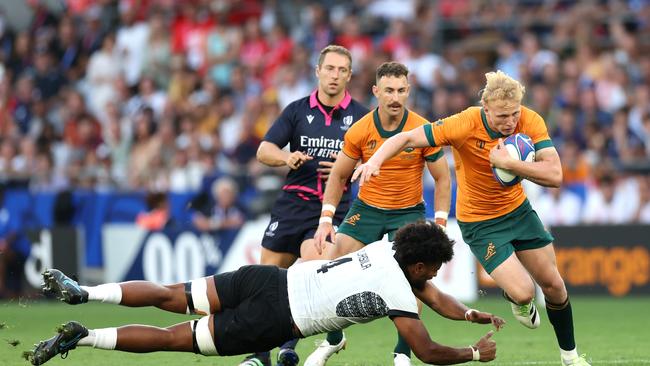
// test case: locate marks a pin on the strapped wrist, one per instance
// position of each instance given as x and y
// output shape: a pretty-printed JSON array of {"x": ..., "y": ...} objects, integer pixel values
[
  {"x": 325, "y": 219},
  {"x": 440, "y": 218},
  {"x": 468, "y": 313},
  {"x": 328, "y": 207},
  {"x": 441, "y": 215},
  {"x": 476, "y": 355}
]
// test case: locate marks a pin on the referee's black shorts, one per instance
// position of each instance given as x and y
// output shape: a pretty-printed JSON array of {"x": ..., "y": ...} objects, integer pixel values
[
  {"x": 293, "y": 221},
  {"x": 255, "y": 313}
]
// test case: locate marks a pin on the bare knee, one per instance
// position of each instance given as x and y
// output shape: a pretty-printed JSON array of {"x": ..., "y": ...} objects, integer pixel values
[
  {"x": 282, "y": 260},
  {"x": 172, "y": 298},
  {"x": 345, "y": 244},
  {"x": 522, "y": 296},
  {"x": 554, "y": 290},
  {"x": 171, "y": 292},
  {"x": 521, "y": 292}
]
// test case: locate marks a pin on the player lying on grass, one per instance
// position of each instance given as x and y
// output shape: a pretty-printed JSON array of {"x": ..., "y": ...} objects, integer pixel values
[{"x": 257, "y": 308}]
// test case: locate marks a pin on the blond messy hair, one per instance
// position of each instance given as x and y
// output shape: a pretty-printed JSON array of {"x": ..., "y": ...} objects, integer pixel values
[{"x": 500, "y": 86}]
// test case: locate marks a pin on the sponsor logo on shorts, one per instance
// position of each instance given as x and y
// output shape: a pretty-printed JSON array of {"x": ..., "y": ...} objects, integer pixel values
[
  {"x": 490, "y": 252},
  {"x": 271, "y": 230},
  {"x": 352, "y": 220}
]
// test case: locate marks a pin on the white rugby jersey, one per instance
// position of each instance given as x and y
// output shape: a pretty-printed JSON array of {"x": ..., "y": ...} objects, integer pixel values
[{"x": 356, "y": 288}]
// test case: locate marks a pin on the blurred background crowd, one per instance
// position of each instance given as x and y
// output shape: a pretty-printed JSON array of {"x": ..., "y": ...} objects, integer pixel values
[{"x": 171, "y": 96}]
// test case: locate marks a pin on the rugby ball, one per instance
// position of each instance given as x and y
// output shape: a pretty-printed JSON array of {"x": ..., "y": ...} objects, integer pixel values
[{"x": 521, "y": 147}]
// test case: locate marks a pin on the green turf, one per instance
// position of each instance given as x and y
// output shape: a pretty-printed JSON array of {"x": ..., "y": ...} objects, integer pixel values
[{"x": 611, "y": 331}]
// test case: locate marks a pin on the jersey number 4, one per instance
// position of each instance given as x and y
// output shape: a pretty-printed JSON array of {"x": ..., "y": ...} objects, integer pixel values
[{"x": 325, "y": 267}]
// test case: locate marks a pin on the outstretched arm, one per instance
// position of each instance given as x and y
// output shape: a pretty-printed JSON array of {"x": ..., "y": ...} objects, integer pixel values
[
  {"x": 417, "y": 337},
  {"x": 451, "y": 308},
  {"x": 390, "y": 148},
  {"x": 439, "y": 170},
  {"x": 338, "y": 178}
]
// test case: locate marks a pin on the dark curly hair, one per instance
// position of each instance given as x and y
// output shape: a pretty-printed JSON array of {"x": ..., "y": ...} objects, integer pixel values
[
  {"x": 392, "y": 68},
  {"x": 422, "y": 241}
]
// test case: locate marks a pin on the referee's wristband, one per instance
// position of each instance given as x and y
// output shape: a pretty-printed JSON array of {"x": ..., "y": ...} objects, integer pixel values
[
  {"x": 476, "y": 355},
  {"x": 328, "y": 207},
  {"x": 325, "y": 219}
]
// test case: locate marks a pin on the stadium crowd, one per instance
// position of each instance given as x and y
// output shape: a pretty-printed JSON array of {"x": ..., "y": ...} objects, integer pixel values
[{"x": 168, "y": 96}]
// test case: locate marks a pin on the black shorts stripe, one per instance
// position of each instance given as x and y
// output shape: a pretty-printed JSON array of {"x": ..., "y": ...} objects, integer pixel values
[
  {"x": 400, "y": 313},
  {"x": 188, "y": 296}
]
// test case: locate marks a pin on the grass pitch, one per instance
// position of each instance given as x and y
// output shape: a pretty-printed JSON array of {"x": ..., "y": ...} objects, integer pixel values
[{"x": 611, "y": 331}]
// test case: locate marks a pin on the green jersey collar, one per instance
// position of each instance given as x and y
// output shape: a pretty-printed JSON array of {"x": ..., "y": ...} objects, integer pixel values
[
  {"x": 386, "y": 134},
  {"x": 493, "y": 134}
]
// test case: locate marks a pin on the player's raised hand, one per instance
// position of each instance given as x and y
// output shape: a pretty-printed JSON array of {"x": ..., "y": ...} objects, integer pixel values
[
  {"x": 325, "y": 230},
  {"x": 487, "y": 347},
  {"x": 499, "y": 154},
  {"x": 325, "y": 167},
  {"x": 296, "y": 159},
  {"x": 480, "y": 317},
  {"x": 364, "y": 172}
]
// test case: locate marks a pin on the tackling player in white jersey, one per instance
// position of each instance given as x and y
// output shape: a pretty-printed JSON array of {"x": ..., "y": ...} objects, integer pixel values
[{"x": 260, "y": 307}]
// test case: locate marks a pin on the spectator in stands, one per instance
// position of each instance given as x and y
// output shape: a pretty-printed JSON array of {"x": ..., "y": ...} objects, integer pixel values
[
  {"x": 7, "y": 160},
  {"x": 559, "y": 206},
  {"x": 352, "y": 38},
  {"x": 643, "y": 213},
  {"x": 149, "y": 96},
  {"x": 609, "y": 202},
  {"x": 104, "y": 67},
  {"x": 146, "y": 145},
  {"x": 640, "y": 107},
  {"x": 316, "y": 32},
  {"x": 117, "y": 140},
  {"x": 14, "y": 248},
  {"x": 222, "y": 50},
  {"x": 254, "y": 48},
  {"x": 396, "y": 43},
  {"x": 48, "y": 78},
  {"x": 25, "y": 160},
  {"x": 21, "y": 57},
  {"x": 280, "y": 52},
  {"x": 20, "y": 104},
  {"x": 157, "y": 217},
  {"x": 93, "y": 30},
  {"x": 67, "y": 50},
  {"x": 44, "y": 178},
  {"x": 131, "y": 43},
  {"x": 511, "y": 59},
  {"x": 157, "y": 53},
  {"x": 225, "y": 215}
]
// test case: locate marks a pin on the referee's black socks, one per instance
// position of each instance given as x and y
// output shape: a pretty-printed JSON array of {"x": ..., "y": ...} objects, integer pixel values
[{"x": 290, "y": 344}]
